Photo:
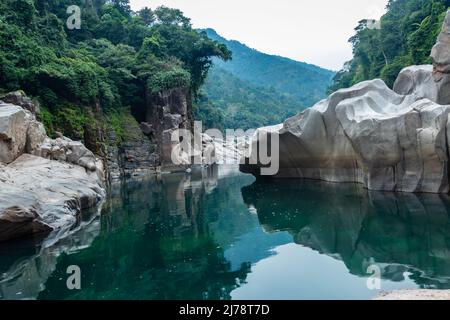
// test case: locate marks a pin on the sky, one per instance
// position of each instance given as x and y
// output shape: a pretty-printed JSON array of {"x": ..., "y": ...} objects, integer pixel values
[{"x": 312, "y": 31}]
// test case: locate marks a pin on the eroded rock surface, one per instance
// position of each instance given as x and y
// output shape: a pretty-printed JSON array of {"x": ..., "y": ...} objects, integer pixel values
[
  {"x": 44, "y": 183},
  {"x": 370, "y": 134}
]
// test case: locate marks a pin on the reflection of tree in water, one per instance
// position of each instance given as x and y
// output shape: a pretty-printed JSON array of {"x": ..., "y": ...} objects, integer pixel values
[
  {"x": 400, "y": 232},
  {"x": 155, "y": 243}
]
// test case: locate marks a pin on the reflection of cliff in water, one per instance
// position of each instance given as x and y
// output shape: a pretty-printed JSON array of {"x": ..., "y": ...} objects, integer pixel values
[
  {"x": 400, "y": 232},
  {"x": 157, "y": 238}
]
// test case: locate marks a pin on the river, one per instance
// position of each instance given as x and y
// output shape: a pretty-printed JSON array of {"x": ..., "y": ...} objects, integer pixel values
[{"x": 222, "y": 235}]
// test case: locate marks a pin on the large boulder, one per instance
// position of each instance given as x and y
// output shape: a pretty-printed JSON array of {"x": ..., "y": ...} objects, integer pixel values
[
  {"x": 367, "y": 134},
  {"x": 387, "y": 140},
  {"x": 38, "y": 197},
  {"x": 13, "y": 132},
  {"x": 441, "y": 63},
  {"x": 441, "y": 51},
  {"x": 19, "y": 98},
  {"x": 417, "y": 80}
]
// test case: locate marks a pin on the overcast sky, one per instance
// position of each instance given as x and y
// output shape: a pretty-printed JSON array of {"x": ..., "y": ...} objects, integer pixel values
[{"x": 314, "y": 31}]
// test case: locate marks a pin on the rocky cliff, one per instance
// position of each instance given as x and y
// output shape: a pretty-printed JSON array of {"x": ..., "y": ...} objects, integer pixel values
[
  {"x": 392, "y": 140},
  {"x": 146, "y": 145}
]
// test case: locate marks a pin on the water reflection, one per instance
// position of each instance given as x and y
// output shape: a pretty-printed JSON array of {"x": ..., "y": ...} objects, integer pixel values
[
  {"x": 162, "y": 238},
  {"x": 400, "y": 232},
  {"x": 220, "y": 235}
]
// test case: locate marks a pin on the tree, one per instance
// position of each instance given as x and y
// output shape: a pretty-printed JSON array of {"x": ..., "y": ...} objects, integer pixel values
[
  {"x": 147, "y": 16},
  {"x": 408, "y": 32}
]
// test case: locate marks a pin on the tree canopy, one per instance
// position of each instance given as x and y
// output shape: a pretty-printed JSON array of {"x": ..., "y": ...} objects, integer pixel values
[
  {"x": 113, "y": 61},
  {"x": 408, "y": 32}
]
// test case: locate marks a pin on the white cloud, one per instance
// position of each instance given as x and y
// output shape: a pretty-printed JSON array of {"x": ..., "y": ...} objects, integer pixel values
[{"x": 314, "y": 31}]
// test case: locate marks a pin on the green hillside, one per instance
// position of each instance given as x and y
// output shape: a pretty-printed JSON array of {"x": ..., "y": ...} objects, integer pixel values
[
  {"x": 305, "y": 82},
  {"x": 242, "y": 104},
  {"x": 109, "y": 66},
  {"x": 408, "y": 32},
  {"x": 256, "y": 89}
]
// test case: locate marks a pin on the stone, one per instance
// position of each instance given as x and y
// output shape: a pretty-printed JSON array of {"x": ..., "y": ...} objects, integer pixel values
[
  {"x": 387, "y": 140},
  {"x": 172, "y": 121},
  {"x": 417, "y": 80},
  {"x": 13, "y": 132},
  {"x": 441, "y": 51},
  {"x": 19, "y": 98},
  {"x": 167, "y": 111},
  {"x": 36, "y": 196},
  {"x": 36, "y": 136},
  {"x": 440, "y": 55},
  {"x": 147, "y": 128},
  {"x": 44, "y": 183},
  {"x": 367, "y": 134}
]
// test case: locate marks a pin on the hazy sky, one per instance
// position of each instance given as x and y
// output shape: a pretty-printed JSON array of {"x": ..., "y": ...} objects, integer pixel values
[{"x": 314, "y": 31}]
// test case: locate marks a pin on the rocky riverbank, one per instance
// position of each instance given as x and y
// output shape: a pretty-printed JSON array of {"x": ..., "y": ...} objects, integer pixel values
[
  {"x": 389, "y": 140},
  {"x": 44, "y": 182}
]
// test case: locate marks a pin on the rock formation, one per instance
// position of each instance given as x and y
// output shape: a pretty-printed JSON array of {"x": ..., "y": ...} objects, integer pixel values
[
  {"x": 441, "y": 62},
  {"x": 167, "y": 111},
  {"x": 146, "y": 147},
  {"x": 387, "y": 140},
  {"x": 44, "y": 183}
]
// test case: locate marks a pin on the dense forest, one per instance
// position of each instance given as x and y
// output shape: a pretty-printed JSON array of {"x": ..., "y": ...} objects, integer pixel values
[
  {"x": 255, "y": 89},
  {"x": 236, "y": 103},
  {"x": 406, "y": 35},
  {"x": 111, "y": 63}
]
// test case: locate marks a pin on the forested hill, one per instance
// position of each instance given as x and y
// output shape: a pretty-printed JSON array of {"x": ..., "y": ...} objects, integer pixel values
[
  {"x": 305, "y": 82},
  {"x": 256, "y": 89},
  {"x": 236, "y": 103},
  {"x": 405, "y": 37},
  {"x": 110, "y": 64}
]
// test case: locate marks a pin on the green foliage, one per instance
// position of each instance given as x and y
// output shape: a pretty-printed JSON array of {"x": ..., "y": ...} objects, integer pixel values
[
  {"x": 76, "y": 79},
  {"x": 165, "y": 80},
  {"x": 303, "y": 82},
  {"x": 109, "y": 65},
  {"x": 408, "y": 32},
  {"x": 242, "y": 104},
  {"x": 210, "y": 115},
  {"x": 116, "y": 121},
  {"x": 46, "y": 118}
]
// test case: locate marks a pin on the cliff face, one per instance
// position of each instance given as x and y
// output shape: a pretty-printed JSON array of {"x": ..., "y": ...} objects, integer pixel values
[
  {"x": 168, "y": 111},
  {"x": 387, "y": 140},
  {"x": 146, "y": 146}
]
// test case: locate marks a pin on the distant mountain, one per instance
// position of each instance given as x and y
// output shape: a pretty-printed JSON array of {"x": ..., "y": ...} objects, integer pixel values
[
  {"x": 256, "y": 89},
  {"x": 301, "y": 80},
  {"x": 245, "y": 105}
]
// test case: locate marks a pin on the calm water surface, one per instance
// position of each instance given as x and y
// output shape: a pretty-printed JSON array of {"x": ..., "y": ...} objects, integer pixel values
[{"x": 221, "y": 235}]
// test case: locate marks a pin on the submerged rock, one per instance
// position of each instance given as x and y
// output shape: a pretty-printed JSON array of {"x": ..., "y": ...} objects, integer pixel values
[{"x": 386, "y": 140}]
